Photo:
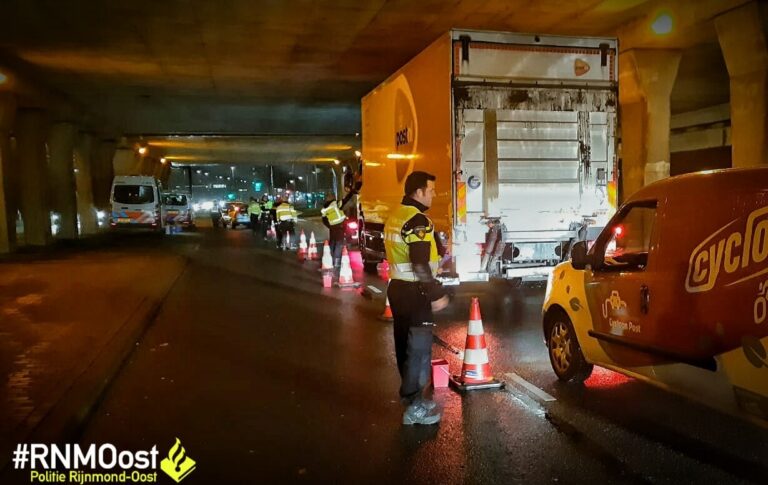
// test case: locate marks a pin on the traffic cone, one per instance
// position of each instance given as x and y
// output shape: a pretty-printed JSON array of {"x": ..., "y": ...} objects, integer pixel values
[
  {"x": 312, "y": 253},
  {"x": 387, "y": 315},
  {"x": 327, "y": 266},
  {"x": 345, "y": 274},
  {"x": 476, "y": 370},
  {"x": 302, "y": 252}
]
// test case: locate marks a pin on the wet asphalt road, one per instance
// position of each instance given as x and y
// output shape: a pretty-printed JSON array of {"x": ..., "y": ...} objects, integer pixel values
[{"x": 265, "y": 377}]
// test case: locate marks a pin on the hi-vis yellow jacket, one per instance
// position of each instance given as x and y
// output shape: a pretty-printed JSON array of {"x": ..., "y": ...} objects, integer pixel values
[{"x": 398, "y": 237}]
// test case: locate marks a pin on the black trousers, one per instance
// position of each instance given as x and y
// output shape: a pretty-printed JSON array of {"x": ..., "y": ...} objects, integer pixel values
[
  {"x": 412, "y": 312},
  {"x": 336, "y": 242},
  {"x": 254, "y": 223}
]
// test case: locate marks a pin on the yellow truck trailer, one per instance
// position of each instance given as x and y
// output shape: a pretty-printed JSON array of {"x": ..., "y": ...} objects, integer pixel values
[{"x": 520, "y": 130}]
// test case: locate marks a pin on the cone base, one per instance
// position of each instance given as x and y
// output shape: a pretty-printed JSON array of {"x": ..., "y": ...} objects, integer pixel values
[
  {"x": 455, "y": 382},
  {"x": 385, "y": 318},
  {"x": 348, "y": 285}
]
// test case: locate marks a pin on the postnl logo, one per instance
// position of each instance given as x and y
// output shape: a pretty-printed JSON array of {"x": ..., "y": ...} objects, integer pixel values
[
  {"x": 177, "y": 464},
  {"x": 405, "y": 128},
  {"x": 737, "y": 252}
]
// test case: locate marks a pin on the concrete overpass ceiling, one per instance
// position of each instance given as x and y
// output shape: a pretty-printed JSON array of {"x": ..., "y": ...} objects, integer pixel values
[{"x": 295, "y": 66}]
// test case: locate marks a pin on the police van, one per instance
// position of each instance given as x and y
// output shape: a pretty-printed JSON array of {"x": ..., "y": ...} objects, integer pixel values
[
  {"x": 673, "y": 292},
  {"x": 177, "y": 210},
  {"x": 136, "y": 203}
]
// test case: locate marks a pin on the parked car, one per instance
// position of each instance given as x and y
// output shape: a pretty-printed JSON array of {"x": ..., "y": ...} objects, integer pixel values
[{"x": 237, "y": 214}]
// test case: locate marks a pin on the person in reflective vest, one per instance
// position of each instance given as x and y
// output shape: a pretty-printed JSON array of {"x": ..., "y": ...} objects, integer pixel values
[
  {"x": 285, "y": 223},
  {"x": 333, "y": 219},
  {"x": 266, "y": 215},
  {"x": 414, "y": 293},
  {"x": 254, "y": 211}
]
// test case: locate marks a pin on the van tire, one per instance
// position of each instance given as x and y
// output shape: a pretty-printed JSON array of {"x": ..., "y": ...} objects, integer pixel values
[{"x": 564, "y": 350}]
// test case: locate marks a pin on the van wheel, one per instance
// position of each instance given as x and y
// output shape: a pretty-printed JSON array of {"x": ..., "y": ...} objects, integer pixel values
[{"x": 564, "y": 351}]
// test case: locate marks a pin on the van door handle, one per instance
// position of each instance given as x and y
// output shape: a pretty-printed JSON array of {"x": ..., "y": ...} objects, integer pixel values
[{"x": 645, "y": 299}]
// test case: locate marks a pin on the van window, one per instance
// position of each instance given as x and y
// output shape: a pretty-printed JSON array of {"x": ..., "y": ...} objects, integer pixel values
[
  {"x": 175, "y": 200},
  {"x": 630, "y": 240},
  {"x": 133, "y": 194}
]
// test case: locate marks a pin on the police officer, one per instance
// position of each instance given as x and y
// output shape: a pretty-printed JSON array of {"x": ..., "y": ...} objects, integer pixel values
[
  {"x": 333, "y": 219},
  {"x": 285, "y": 219},
  {"x": 254, "y": 211},
  {"x": 266, "y": 215},
  {"x": 412, "y": 252}
]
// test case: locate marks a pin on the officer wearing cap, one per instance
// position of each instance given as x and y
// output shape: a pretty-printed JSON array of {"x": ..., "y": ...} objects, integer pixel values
[{"x": 414, "y": 293}]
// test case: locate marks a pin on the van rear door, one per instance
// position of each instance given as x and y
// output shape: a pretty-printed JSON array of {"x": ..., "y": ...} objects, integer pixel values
[{"x": 134, "y": 204}]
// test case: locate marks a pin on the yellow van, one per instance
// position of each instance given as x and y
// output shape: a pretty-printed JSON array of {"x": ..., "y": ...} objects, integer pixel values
[{"x": 674, "y": 292}]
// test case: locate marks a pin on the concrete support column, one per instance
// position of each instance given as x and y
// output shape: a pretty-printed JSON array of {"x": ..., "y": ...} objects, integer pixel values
[
  {"x": 103, "y": 172},
  {"x": 7, "y": 185},
  {"x": 86, "y": 209},
  {"x": 61, "y": 146},
  {"x": 646, "y": 78},
  {"x": 32, "y": 161},
  {"x": 743, "y": 40}
]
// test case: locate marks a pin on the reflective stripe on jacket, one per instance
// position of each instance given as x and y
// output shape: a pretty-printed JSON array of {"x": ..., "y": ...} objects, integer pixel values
[{"x": 333, "y": 214}]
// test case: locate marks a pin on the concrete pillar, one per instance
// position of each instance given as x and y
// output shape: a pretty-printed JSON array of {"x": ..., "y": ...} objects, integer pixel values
[
  {"x": 86, "y": 209},
  {"x": 646, "y": 78},
  {"x": 61, "y": 146},
  {"x": 103, "y": 172},
  {"x": 32, "y": 162},
  {"x": 7, "y": 199},
  {"x": 743, "y": 40}
]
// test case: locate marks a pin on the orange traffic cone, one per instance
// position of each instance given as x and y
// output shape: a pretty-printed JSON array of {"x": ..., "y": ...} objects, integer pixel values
[
  {"x": 476, "y": 370},
  {"x": 302, "y": 252},
  {"x": 345, "y": 274},
  {"x": 312, "y": 253},
  {"x": 327, "y": 266},
  {"x": 387, "y": 315}
]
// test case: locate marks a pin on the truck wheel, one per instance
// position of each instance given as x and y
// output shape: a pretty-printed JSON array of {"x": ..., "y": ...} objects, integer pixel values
[{"x": 564, "y": 351}]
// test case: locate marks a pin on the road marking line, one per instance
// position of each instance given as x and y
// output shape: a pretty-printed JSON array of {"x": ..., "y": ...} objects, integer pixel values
[
  {"x": 536, "y": 391},
  {"x": 374, "y": 289}
]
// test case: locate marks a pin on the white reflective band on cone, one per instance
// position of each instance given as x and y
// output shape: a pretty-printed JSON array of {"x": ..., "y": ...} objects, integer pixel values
[
  {"x": 475, "y": 327},
  {"x": 475, "y": 356}
]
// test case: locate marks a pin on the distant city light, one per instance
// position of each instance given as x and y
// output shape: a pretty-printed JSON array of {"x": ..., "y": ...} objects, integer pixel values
[
  {"x": 358, "y": 154},
  {"x": 142, "y": 150}
]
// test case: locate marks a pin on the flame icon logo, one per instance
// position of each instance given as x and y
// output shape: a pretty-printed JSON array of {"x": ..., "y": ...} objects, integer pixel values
[{"x": 178, "y": 465}]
